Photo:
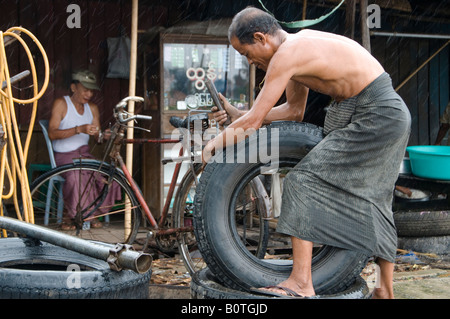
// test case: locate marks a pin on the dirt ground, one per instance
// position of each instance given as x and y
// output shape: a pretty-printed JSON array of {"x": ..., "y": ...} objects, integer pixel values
[{"x": 417, "y": 276}]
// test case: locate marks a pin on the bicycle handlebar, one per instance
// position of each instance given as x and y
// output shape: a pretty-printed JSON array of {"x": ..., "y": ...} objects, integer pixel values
[{"x": 125, "y": 117}]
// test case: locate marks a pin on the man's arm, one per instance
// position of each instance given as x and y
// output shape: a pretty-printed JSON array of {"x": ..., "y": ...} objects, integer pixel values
[
  {"x": 277, "y": 80},
  {"x": 442, "y": 131},
  {"x": 445, "y": 125},
  {"x": 294, "y": 108},
  {"x": 96, "y": 119},
  {"x": 59, "y": 110}
]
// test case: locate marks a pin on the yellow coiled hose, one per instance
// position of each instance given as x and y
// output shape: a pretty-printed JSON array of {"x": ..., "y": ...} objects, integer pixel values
[{"x": 14, "y": 154}]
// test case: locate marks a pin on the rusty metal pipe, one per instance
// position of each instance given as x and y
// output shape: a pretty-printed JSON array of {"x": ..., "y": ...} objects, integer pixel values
[{"x": 117, "y": 256}]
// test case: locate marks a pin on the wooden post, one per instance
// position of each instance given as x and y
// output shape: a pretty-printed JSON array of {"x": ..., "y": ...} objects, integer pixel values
[
  {"x": 364, "y": 27},
  {"x": 350, "y": 8},
  {"x": 132, "y": 92},
  {"x": 305, "y": 5}
]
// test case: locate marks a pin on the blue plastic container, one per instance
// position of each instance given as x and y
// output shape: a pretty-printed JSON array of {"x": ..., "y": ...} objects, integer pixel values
[{"x": 430, "y": 161}]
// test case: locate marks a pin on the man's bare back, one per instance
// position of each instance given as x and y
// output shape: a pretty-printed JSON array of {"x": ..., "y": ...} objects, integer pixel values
[
  {"x": 327, "y": 63},
  {"x": 294, "y": 63}
]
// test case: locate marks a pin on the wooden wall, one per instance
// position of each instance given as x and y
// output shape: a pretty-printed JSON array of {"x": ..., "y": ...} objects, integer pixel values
[
  {"x": 426, "y": 94},
  {"x": 77, "y": 48},
  {"x": 69, "y": 49}
]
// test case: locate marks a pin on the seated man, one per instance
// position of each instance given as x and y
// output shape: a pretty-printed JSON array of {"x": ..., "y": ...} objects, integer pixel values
[{"x": 73, "y": 120}]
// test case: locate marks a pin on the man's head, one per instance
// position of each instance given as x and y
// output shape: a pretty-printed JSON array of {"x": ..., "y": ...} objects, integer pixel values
[
  {"x": 254, "y": 34},
  {"x": 249, "y": 21},
  {"x": 86, "y": 78},
  {"x": 83, "y": 85}
]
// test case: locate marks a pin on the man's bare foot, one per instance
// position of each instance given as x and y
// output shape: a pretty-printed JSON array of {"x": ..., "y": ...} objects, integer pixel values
[
  {"x": 290, "y": 288},
  {"x": 379, "y": 293}
]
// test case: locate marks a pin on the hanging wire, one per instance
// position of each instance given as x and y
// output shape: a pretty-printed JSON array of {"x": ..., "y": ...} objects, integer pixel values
[{"x": 13, "y": 153}]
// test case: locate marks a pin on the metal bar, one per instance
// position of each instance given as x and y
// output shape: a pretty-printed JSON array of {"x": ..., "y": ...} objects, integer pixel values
[
  {"x": 16, "y": 78},
  {"x": 169, "y": 196},
  {"x": 137, "y": 192},
  {"x": 180, "y": 159},
  {"x": 410, "y": 35},
  {"x": 9, "y": 39},
  {"x": 122, "y": 257},
  {"x": 145, "y": 140},
  {"x": 170, "y": 231}
]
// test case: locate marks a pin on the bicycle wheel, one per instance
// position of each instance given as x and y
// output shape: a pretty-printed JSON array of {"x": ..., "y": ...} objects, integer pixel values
[
  {"x": 182, "y": 211},
  {"x": 81, "y": 191},
  {"x": 249, "y": 220}
]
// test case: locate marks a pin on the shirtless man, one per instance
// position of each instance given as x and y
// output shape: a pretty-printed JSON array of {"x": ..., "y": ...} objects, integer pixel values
[{"x": 341, "y": 68}]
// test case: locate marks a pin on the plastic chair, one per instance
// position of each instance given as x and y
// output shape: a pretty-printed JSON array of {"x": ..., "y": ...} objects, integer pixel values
[{"x": 56, "y": 181}]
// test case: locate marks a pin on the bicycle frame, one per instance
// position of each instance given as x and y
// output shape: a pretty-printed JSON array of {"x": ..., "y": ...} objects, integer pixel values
[
  {"x": 119, "y": 140},
  {"x": 141, "y": 199},
  {"x": 175, "y": 175}
]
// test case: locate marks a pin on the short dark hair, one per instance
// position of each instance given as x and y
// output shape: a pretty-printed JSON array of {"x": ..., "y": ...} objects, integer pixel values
[{"x": 251, "y": 20}]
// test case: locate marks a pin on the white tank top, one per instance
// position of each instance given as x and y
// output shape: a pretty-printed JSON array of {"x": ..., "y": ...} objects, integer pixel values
[{"x": 72, "y": 119}]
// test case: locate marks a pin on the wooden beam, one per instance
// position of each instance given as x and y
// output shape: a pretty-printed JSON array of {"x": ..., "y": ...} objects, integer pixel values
[
  {"x": 305, "y": 5},
  {"x": 132, "y": 92},
  {"x": 365, "y": 35},
  {"x": 350, "y": 8}
]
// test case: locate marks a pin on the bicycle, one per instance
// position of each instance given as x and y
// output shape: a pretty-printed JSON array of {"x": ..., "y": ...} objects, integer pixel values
[{"x": 123, "y": 219}]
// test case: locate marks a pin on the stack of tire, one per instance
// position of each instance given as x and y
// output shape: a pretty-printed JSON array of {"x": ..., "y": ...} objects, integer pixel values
[
  {"x": 424, "y": 231},
  {"x": 232, "y": 271}
]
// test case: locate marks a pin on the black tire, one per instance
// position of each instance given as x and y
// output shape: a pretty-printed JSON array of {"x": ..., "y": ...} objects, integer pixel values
[
  {"x": 438, "y": 245},
  {"x": 204, "y": 285},
  {"x": 113, "y": 231},
  {"x": 333, "y": 269},
  {"x": 422, "y": 223},
  {"x": 30, "y": 269}
]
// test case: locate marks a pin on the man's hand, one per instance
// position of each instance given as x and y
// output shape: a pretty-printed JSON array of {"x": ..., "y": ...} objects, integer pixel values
[
  {"x": 230, "y": 111},
  {"x": 89, "y": 129}
]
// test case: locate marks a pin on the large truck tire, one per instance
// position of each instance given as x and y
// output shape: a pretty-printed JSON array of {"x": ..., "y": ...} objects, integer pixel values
[{"x": 333, "y": 269}]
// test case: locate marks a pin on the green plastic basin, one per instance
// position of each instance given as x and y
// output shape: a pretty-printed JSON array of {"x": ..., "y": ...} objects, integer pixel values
[{"x": 430, "y": 161}]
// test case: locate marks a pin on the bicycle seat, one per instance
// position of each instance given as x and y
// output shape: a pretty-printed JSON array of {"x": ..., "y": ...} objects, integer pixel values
[{"x": 178, "y": 122}]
